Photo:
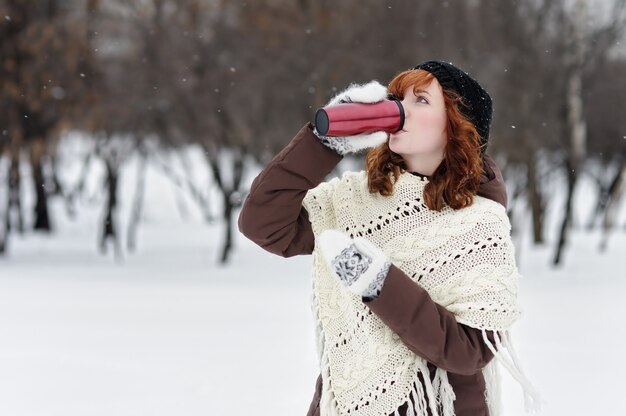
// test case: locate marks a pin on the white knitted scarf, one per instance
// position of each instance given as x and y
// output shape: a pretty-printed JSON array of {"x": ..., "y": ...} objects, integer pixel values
[{"x": 463, "y": 258}]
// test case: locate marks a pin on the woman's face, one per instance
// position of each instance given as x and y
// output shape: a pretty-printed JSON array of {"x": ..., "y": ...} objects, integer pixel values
[{"x": 422, "y": 140}]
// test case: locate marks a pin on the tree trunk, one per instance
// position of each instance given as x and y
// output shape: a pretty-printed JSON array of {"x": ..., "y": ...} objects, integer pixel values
[
  {"x": 232, "y": 196},
  {"x": 576, "y": 126},
  {"x": 603, "y": 199},
  {"x": 605, "y": 194},
  {"x": 616, "y": 192},
  {"x": 42, "y": 218},
  {"x": 228, "y": 224},
  {"x": 131, "y": 242},
  {"x": 536, "y": 201},
  {"x": 4, "y": 208},
  {"x": 109, "y": 226},
  {"x": 571, "y": 184},
  {"x": 13, "y": 194},
  {"x": 14, "y": 212}
]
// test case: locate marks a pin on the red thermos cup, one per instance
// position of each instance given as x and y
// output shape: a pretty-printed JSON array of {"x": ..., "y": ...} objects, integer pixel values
[{"x": 349, "y": 119}]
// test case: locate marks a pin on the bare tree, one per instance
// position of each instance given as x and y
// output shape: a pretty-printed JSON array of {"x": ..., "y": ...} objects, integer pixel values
[
  {"x": 576, "y": 61},
  {"x": 151, "y": 79},
  {"x": 607, "y": 143},
  {"x": 44, "y": 59}
]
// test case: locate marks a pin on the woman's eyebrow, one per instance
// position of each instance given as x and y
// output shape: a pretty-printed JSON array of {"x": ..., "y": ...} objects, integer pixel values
[{"x": 416, "y": 91}]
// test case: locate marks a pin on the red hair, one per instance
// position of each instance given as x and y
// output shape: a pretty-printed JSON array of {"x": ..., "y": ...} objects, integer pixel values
[{"x": 456, "y": 179}]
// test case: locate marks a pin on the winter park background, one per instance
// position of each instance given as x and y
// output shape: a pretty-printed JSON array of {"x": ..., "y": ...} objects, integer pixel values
[{"x": 154, "y": 113}]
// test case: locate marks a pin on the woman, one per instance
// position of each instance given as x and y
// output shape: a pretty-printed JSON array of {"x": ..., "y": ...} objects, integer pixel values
[{"x": 414, "y": 276}]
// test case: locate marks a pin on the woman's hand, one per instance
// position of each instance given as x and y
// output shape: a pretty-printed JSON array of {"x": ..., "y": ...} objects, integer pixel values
[
  {"x": 357, "y": 263},
  {"x": 372, "y": 92}
]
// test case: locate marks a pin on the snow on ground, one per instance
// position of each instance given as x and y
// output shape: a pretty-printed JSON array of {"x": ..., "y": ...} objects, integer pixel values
[{"x": 166, "y": 331}]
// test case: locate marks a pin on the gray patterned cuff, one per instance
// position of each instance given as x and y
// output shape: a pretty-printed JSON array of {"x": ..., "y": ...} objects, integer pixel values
[
  {"x": 338, "y": 144},
  {"x": 374, "y": 288}
]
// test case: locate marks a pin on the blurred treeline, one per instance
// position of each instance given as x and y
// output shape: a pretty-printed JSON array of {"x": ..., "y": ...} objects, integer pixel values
[{"x": 239, "y": 78}]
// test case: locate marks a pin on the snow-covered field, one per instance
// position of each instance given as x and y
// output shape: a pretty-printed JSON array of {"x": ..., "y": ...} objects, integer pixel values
[{"x": 166, "y": 331}]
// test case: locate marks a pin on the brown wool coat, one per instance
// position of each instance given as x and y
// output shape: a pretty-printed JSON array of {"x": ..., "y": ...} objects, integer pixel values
[{"x": 272, "y": 216}]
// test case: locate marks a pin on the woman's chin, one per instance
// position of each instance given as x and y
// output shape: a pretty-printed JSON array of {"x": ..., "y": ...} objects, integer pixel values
[{"x": 393, "y": 145}]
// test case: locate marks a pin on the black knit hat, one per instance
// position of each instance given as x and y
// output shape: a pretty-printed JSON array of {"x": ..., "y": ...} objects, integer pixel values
[{"x": 478, "y": 101}]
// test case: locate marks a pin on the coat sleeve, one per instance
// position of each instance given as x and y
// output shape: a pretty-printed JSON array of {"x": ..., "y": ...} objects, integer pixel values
[
  {"x": 427, "y": 328},
  {"x": 272, "y": 215}
]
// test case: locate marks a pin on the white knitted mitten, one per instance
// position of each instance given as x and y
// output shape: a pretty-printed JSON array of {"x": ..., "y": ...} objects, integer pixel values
[
  {"x": 358, "y": 263},
  {"x": 372, "y": 92}
]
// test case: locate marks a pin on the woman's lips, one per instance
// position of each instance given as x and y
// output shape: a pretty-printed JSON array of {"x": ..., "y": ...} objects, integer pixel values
[{"x": 396, "y": 134}]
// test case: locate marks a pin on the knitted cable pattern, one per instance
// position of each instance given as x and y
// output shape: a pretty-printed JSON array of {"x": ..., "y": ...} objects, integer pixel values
[{"x": 463, "y": 258}]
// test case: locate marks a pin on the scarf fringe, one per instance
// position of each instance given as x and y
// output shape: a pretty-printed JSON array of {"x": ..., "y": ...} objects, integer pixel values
[
  {"x": 446, "y": 395},
  {"x": 532, "y": 398},
  {"x": 493, "y": 393},
  {"x": 418, "y": 391},
  {"x": 439, "y": 392},
  {"x": 437, "y": 395}
]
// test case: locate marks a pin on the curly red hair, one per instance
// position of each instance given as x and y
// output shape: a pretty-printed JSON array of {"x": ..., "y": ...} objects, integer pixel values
[{"x": 456, "y": 179}]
